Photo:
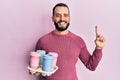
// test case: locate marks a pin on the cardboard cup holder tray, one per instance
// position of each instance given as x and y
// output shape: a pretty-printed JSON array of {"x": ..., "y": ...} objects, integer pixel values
[{"x": 43, "y": 73}]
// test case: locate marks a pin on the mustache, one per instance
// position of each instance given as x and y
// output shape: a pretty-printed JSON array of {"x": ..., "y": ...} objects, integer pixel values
[{"x": 62, "y": 21}]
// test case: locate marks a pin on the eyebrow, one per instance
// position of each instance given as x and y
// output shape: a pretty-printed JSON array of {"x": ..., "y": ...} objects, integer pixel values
[{"x": 60, "y": 13}]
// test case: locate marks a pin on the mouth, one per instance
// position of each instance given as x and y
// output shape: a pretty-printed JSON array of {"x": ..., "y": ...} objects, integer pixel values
[{"x": 62, "y": 23}]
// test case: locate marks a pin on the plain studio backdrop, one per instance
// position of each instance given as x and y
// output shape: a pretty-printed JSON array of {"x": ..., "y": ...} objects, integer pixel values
[{"x": 23, "y": 22}]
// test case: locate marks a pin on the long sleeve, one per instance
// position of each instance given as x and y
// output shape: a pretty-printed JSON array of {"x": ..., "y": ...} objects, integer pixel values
[
  {"x": 90, "y": 61},
  {"x": 38, "y": 45}
]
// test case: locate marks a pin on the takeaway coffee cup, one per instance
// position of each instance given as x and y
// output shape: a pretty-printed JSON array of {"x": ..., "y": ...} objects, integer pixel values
[
  {"x": 55, "y": 56},
  {"x": 41, "y": 52},
  {"x": 34, "y": 60},
  {"x": 47, "y": 62}
]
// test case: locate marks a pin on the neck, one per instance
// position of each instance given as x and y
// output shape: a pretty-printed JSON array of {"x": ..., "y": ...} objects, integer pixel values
[{"x": 61, "y": 32}]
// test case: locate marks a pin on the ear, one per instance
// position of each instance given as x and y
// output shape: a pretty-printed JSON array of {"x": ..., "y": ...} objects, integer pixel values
[
  {"x": 69, "y": 19},
  {"x": 53, "y": 18}
]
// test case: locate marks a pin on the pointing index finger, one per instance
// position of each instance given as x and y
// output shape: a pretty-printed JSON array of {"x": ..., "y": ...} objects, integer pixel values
[{"x": 96, "y": 31}]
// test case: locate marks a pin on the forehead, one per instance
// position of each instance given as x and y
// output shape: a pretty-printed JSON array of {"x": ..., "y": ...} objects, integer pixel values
[{"x": 61, "y": 9}]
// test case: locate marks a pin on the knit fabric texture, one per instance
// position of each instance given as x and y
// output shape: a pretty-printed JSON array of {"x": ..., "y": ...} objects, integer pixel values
[{"x": 70, "y": 48}]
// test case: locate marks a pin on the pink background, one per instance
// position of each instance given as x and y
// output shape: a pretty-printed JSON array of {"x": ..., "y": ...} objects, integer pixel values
[{"x": 22, "y": 22}]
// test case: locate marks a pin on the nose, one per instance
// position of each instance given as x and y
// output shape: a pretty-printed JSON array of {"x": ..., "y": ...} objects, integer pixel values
[{"x": 62, "y": 18}]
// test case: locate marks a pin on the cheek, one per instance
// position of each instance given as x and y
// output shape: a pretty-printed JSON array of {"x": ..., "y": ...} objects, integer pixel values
[
  {"x": 56, "y": 19},
  {"x": 68, "y": 20}
]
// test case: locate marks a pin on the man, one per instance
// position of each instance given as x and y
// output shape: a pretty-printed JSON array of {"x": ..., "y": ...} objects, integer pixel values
[{"x": 69, "y": 46}]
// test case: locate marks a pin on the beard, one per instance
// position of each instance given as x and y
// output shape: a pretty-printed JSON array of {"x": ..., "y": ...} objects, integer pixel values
[{"x": 62, "y": 28}]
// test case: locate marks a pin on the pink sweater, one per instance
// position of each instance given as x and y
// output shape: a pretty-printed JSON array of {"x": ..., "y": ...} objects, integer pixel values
[{"x": 69, "y": 47}]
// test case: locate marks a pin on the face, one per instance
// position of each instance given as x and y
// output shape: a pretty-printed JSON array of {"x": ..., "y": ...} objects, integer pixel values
[{"x": 61, "y": 18}]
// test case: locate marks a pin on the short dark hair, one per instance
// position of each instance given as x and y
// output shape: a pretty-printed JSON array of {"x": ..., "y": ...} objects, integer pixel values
[{"x": 61, "y": 5}]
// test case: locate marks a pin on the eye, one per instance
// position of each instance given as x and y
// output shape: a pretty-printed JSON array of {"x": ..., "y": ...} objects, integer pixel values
[
  {"x": 57, "y": 15},
  {"x": 66, "y": 15}
]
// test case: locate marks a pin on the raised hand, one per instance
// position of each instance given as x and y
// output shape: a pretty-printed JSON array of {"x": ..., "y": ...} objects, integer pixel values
[{"x": 99, "y": 41}]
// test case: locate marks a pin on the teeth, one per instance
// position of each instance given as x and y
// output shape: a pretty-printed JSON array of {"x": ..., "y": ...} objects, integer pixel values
[{"x": 62, "y": 23}]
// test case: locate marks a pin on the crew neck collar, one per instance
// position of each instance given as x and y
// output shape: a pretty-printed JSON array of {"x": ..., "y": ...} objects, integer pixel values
[{"x": 67, "y": 34}]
